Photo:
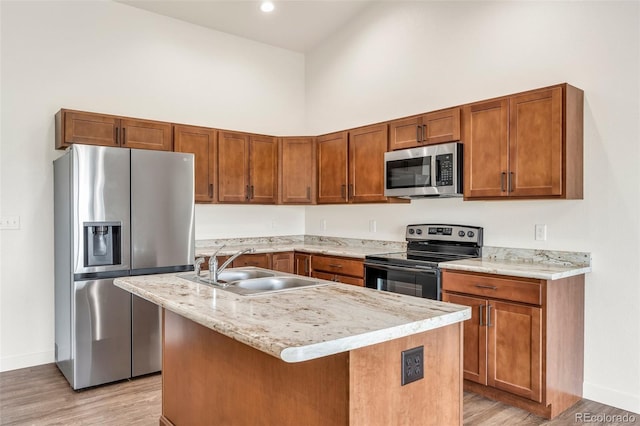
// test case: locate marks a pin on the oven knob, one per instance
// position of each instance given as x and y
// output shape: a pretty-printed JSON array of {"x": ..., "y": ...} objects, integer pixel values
[
  {"x": 460, "y": 233},
  {"x": 418, "y": 231},
  {"x": 470, "y": 234},
  {"x": 411, "y": 231}
]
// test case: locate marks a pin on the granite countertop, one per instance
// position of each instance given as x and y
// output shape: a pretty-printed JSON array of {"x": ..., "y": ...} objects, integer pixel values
[
  {"x": 300, "y": 324},
  {"x": 334, "y": 246},
  {"x": 541, "y": 264}
]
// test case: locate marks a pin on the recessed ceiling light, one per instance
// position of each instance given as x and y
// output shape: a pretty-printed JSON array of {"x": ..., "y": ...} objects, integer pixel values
[{"x": 267, "y": 6}]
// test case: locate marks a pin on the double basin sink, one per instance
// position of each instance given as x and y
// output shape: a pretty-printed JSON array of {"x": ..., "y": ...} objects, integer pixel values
[{"x": 253, "y": 281}]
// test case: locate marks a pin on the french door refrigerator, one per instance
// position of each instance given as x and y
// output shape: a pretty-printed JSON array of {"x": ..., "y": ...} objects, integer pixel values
[{"x": 117, "y": 212}]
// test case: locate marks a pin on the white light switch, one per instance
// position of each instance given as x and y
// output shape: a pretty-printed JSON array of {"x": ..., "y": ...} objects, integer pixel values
[
  {"x": 373, "y": 226},
  {"x": 10, "y": 222},
  {"x": 541, "y": 232}
]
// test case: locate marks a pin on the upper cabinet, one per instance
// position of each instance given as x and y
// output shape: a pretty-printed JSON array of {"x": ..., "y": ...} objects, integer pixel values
[
  {"x": 527, "y": 145},
  {"x": 351, "y": 165},
  {"x": 435, "y": 127},
  {"x": 201, "y": 142},
  {"x": 297, "y": 170},
  {"x": 108, "y": 130},
  {"x": 247, "y": 168}
]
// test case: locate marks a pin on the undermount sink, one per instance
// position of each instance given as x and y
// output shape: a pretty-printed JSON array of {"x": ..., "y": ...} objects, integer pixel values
[{"x": 248, "y": 282}]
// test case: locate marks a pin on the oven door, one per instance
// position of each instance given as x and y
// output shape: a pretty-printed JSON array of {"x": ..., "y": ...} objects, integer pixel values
[{"x": 403, "y": 279}]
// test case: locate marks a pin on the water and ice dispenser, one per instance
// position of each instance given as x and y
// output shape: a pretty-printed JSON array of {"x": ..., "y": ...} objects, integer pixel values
[{"x": 102, "y": 243}]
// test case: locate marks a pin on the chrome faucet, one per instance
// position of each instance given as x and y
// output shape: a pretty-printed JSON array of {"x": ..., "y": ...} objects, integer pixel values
[{"x": 214, "y": 269}]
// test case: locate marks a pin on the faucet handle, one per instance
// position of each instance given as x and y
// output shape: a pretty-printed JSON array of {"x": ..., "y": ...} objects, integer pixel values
[{"x": 196, "y": 265}]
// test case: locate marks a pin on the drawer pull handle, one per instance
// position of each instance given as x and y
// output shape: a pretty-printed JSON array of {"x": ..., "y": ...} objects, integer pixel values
[
  {"x": 480, "y": 314},
  {"x": 488, "y": 287},
  {"x": 335, "y": 265}
]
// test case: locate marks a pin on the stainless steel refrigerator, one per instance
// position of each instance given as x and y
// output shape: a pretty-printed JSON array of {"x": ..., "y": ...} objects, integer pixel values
[{"x": 117, "y": 212}]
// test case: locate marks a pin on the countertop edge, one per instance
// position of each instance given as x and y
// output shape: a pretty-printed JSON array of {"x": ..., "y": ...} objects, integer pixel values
[
  {"x": 345, "y": 344},
  {"x": 501, "y": 269}
]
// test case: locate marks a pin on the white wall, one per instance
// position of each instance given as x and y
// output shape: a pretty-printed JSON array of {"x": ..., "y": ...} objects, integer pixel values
[
  {"x": 404, "y": 58},
  {"x": 107, "y": 57}
]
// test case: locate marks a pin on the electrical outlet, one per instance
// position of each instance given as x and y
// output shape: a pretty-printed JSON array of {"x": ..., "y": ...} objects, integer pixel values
[
  {"x": 541, "y": 232},
  {"x": 373, "y": 226},
  {"x": 10, "y": 222},
  {"x": 412, "y": 365},
  {"x": 323, "y": 224}
]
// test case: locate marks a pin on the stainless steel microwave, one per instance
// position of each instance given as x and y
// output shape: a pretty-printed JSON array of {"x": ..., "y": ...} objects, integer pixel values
[{"x": 427, "y": 171}]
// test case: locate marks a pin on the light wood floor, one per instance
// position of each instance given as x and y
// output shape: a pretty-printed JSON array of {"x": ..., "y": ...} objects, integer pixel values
[{"x": 41, "y": 396}]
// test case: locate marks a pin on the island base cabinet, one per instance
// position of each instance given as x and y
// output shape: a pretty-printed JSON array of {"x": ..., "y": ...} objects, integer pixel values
[{"x": 208, "y": 378}]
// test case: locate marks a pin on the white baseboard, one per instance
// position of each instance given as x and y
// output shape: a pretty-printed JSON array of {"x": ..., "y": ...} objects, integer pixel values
[
  {"x": 26, "y": 360},
  {"x": 612, "y": 397}
]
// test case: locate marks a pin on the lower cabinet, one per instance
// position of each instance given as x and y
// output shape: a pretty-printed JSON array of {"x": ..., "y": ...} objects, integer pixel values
[
  {"x": 282, "y": 262},
  {"x": 302, "y": 264},
  {"x": 339, "y": 269},
  {"x": 524, "y": 342}
]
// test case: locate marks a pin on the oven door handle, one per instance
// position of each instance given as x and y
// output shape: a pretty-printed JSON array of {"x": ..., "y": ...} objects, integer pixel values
[{"x": 401, "y": 269}]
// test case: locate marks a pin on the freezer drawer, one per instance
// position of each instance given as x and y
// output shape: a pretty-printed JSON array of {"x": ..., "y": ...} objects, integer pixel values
[{"x": 102, "y": 333}]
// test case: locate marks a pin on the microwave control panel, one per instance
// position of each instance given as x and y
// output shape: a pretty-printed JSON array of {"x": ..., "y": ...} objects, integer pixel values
[{"x": 444, "y": 169}]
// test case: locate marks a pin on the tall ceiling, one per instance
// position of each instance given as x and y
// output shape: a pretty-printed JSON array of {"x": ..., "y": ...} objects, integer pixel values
[{"x": 297, "y": 25}]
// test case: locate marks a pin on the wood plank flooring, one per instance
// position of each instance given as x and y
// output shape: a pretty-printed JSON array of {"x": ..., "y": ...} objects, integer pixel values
[{"x": 41, "y": 396}]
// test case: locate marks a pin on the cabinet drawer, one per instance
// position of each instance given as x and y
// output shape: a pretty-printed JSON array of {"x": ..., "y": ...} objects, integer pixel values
[
  {"x": 491, "y": 286},
  {"x": 338, "y": 265},
  {"x": 338, "y": 278},
  {"x": 260, "y": 260}
]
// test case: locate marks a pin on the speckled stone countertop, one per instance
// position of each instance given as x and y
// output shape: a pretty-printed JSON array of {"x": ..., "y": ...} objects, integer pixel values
[
  {"x": 300, "y": 324},
  {"x": 526, "y": 263},
  {"x": 335, "y": 246}
]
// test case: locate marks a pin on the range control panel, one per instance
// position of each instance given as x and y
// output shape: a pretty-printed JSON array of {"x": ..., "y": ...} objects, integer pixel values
[{"x": 453, "y": 233}]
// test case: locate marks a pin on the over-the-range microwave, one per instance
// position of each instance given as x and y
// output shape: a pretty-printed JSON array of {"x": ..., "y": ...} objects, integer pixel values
[{"x": 428, "y": 171}]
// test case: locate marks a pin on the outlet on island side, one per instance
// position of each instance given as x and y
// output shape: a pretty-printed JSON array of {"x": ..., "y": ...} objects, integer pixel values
[{"x": 412, "y": 365}]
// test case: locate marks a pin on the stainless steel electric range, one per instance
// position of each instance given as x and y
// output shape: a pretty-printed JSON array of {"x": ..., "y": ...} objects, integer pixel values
[{"x": 416, "y": 272}]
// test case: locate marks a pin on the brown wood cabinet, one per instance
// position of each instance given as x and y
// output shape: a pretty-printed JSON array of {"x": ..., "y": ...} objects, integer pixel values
[
  {"x": 527, "y": 145},
  {"x": 201, "y": 142},
  {"x": 109, "y": 130},
  {"x": 297, "y": 170},
  {"x": 259, "y": 260},
  {"x": 247, "y": 168},
  {"x": 340, "y": 269},
  {"x": 431, "y": 128},
  {"x": 283, "y": 262},
  {"x": 351, "y": 165},
  {"x": 302, "y": 264},
  {"x": 524, "y": 342},
  {"x": 333, "y": 177}
]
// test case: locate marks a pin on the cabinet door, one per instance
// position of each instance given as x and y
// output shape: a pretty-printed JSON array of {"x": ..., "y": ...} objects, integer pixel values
[
  {"x": 366, "y": 164},
  {"x": 332, "y": 168},
  {"x": 515, "y": 349},
  {"x": 263, "y": 169},
  {"x": 475, "y": 337},
  {"x": 145, "y": 134},
  {"x": 233, "y": 167},
  {"x": 302, "y": 264},
  {"x": 404, "y": 133},
  {"x": 90, "y": 129},
  {"x": 486, "y": 148},
  {"x": 535, "y": 143},
  {"x": 282, "y": 262},
  {"x": 297, "y": 171},
  {"x": 201, "y": 142},
  {"x": 441, "y": 126}
]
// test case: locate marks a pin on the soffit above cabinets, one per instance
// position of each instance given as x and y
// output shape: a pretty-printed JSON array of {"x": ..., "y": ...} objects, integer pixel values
[{"x": 293, "y": 25}]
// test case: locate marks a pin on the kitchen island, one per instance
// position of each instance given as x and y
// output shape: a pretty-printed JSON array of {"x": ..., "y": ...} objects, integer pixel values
[{"x": 330, "y": 354}]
